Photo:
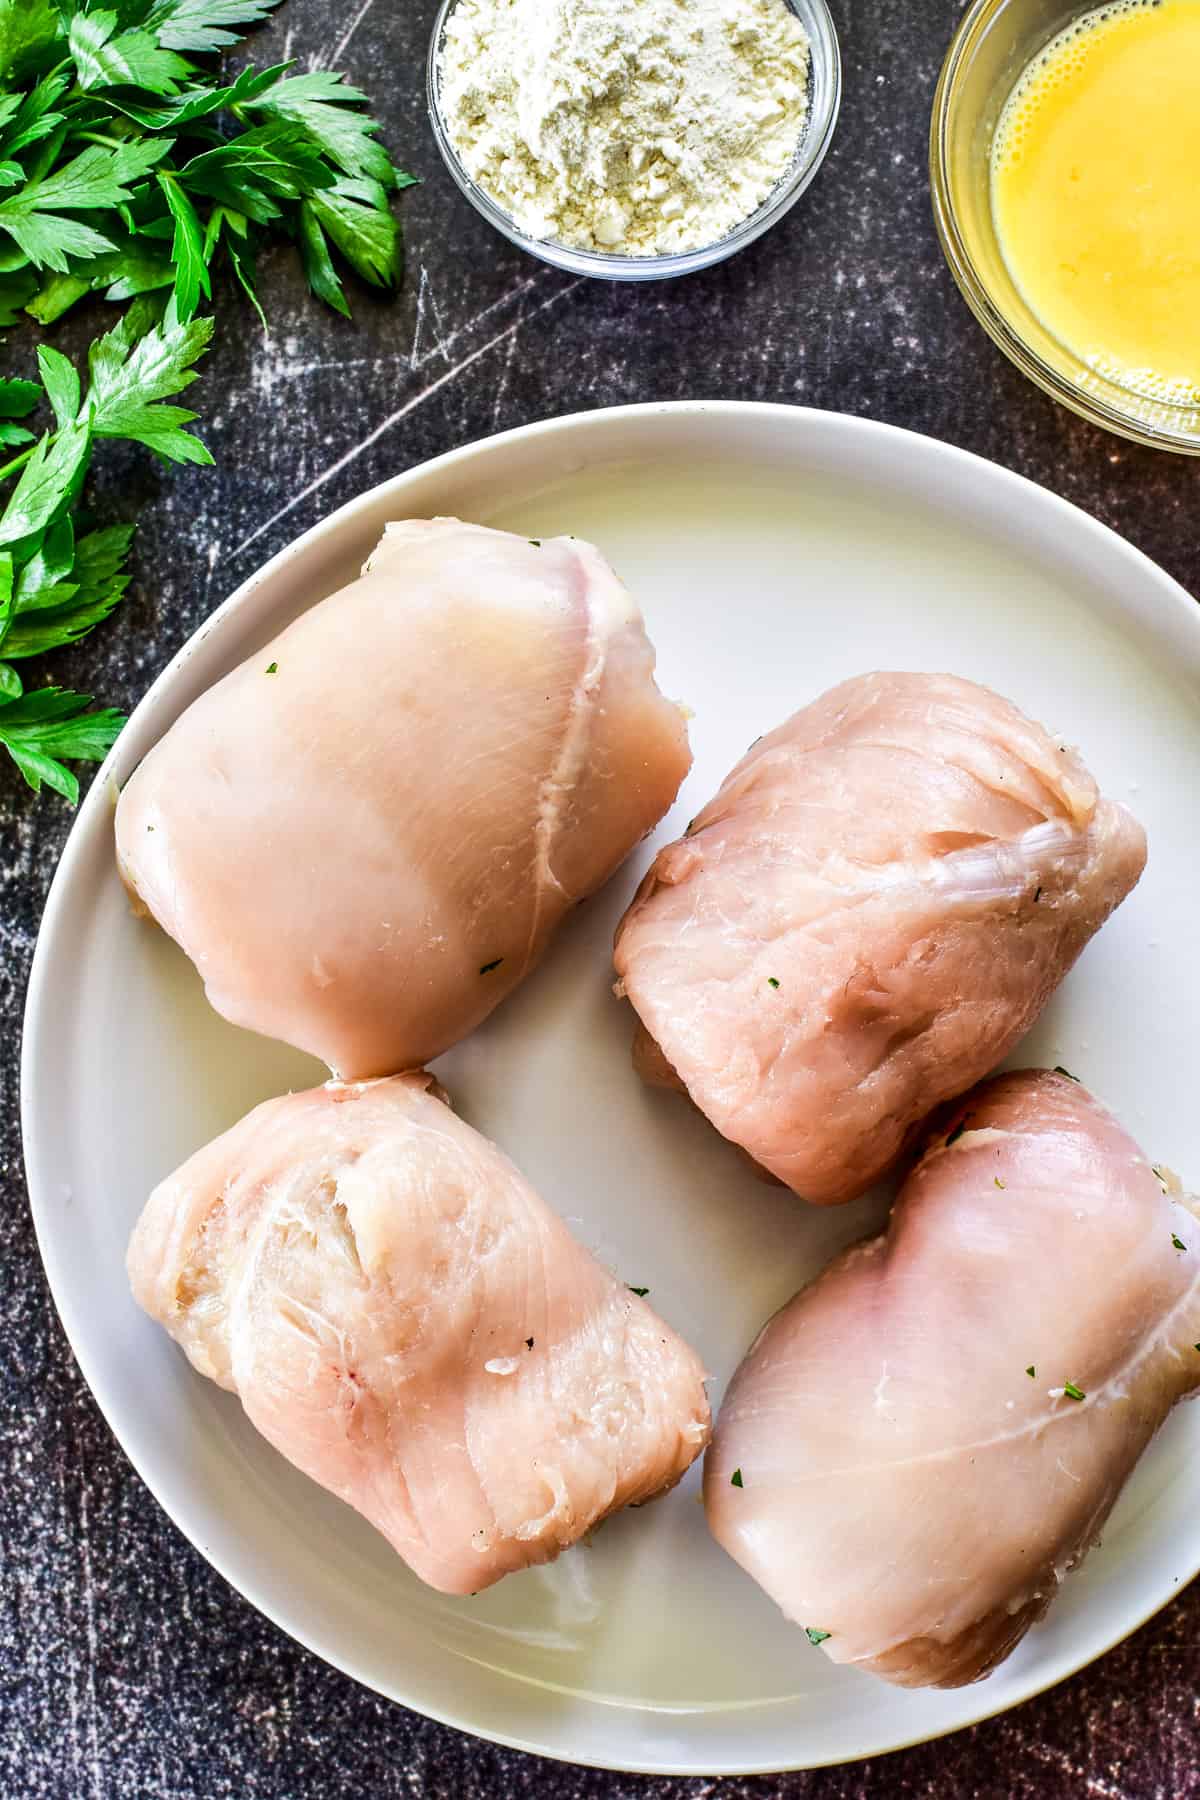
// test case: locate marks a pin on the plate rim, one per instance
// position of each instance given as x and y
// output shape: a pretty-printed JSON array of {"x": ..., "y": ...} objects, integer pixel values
[{"x": 806, "y": 420}]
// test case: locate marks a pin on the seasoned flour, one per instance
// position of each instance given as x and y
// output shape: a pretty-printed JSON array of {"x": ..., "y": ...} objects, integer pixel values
[{"x": 630, "y": 126}]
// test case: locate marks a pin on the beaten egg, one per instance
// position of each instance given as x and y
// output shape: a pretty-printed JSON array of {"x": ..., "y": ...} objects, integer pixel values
[{"x": 1095, "y": 186}]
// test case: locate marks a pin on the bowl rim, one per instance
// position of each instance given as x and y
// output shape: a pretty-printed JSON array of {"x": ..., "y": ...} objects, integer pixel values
[
  {"x": 810, "y": 153},
  {"x": 1093, "y": 408}
]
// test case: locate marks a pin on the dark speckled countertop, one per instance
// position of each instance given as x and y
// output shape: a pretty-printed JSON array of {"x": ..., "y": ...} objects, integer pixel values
[{"x": 127, "y": 1667}]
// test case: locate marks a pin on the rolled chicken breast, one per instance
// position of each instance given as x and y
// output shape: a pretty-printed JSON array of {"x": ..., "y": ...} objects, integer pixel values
[
  {"x": 871, "y": 912},
  {"x": 365, "y": 835},
  {"x": 923, "y": 1443},
  {"x": 406, "y": 1321}
]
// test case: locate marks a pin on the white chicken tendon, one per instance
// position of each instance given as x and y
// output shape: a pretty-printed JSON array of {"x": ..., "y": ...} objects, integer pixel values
[
  {"x": 931, "y": 1435},
  {"x": 365, "y": 835},
  {"x": 407, "y": 1322},
  {"x": 874, "y": 908}
]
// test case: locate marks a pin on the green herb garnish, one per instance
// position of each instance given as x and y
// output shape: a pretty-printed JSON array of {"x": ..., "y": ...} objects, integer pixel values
[
  {"x": 131, "y": 170},
  {"x": 815, "y": 1635},
  {"x": 272, "y": 668},
  {"x": 997, "y": 1181},
  {"x": 640, "y": 1292},
  {"x": 536, "y": 542},
  {"x": 486, "y": 968},
  {"x": 735, "y": 1480},
  {"x": 1178, "y": 1242},
  {"x": 772, "y": 981},
  {"x": 55, "y": 587},
  {"x": 1059, "y": 1070},
  {"x": 1031, "y": 1371},
  {"x": 42, "y": 728},
  {"x": 1072, "y": 1392}
]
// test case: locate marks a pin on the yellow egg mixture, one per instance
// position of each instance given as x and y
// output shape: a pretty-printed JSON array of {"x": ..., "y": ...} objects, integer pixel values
[{"x": 1096, "y": 193}]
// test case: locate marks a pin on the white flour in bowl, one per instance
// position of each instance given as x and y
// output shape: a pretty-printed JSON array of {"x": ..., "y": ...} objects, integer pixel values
[{"x": 635, "y": 127}]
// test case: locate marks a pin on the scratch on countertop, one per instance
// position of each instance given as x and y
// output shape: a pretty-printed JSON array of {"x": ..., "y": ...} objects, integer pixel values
[
  {"x": 401, "y": 412},
  {"x": 332, "y": 58}
]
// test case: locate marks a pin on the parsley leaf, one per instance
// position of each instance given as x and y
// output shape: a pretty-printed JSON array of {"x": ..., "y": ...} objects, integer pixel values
[
  {"x": 242, "y": 261},
  {"x": 99, "y": 559},
  {"x": 61, "y": 382},
  {"x": 97, "y": 178},
  {"x": 318, "y": 264},
  {"x": 355, "y": 214},
  {"x": 50, "y": 629},
  {"x": 16, "y": 291},
  {"x": 56, "y": 295},
  {"x": 1072, "y": 1392},
  {"x": 41, "y": 728},
  {"x": 815, "y": 1635},
  {"x": 187, "y": 249},
  {"x": 323, "y": 103},
  {"x": 204, "y": 24},
  {"x": 48, "y": 483},
  {"x": 194, "y": 103},
  {"x": 7, "y": 592},
  {"x": 129, "y": 374},
  {"x": 45, "y": 561},
  {"x": 28, "y": 28},
  {"x": 107, "y": 57},
  {"x": 49, "y": 616},
  {"x": 735, "y": 1480},
  {"x": 18, "y": 398},
  {"x": 47, "y": 240},
  {"x": 35, "y": 117},
  {"x": 255, "y": 172}
]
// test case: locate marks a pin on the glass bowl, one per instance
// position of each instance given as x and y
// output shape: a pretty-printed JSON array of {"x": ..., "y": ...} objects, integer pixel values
[
  {"x": 824, "y": 98},
  {"x": 994, "y": 44}
]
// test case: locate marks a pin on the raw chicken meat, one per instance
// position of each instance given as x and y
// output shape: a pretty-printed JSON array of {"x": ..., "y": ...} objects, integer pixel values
[
  {"x": 365, "y": 835},
  {"x": 408, "y": 1323},
  {"x": 931, "y": 1435},
  {"x": 876, "y": 905}
]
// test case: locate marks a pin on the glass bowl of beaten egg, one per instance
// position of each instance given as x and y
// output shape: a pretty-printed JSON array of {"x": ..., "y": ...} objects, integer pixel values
[
  {"x": 823, "y": 102},
  {"x": 1064, "y": 150}
]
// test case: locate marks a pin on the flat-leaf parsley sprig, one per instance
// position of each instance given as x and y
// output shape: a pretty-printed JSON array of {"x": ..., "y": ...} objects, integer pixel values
[
  {"x": 126, "y": 166},
  {"x": 54, "y": 586},
  {"x": 132, "y": 170}
]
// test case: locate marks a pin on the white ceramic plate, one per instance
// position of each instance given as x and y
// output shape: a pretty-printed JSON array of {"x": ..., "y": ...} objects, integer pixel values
[{"x": 775, "y": 551}]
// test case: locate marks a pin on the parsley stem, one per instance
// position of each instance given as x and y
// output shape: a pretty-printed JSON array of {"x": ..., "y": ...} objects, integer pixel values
[{"x": 18, "y": 462}]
